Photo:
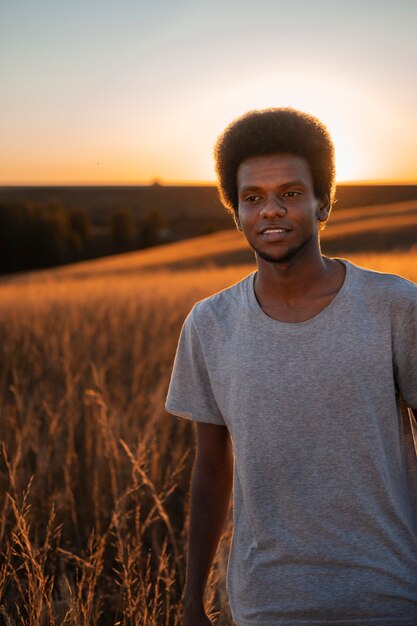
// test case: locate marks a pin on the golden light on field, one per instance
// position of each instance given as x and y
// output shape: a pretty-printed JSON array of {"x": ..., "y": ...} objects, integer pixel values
[{"x": 94, "y": 493}]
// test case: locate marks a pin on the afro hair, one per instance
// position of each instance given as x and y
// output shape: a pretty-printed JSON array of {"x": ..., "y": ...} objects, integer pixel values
[{"x": 274, "y": 131}]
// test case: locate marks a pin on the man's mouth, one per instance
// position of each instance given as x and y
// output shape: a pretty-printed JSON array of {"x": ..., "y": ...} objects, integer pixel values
[
  {"x": 274, "y": 229},
  {"x": 274, "y": 234}
]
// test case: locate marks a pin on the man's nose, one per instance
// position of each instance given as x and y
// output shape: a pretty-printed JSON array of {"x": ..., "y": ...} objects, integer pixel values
[{"x": 273, "y": 206}]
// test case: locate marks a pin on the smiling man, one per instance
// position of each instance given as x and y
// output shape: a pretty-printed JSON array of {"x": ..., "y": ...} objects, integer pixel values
[{"x": 294, "y": 377}]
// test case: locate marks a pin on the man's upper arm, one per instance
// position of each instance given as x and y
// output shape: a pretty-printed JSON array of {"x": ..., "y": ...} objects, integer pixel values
[
  {"x": 190, "y": 392},
  {"x": 405, "y": 346},
  {"x": 214, "y": 448}
]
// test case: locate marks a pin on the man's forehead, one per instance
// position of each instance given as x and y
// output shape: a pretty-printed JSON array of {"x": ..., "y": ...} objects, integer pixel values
[{"x": 279, "y": 167}]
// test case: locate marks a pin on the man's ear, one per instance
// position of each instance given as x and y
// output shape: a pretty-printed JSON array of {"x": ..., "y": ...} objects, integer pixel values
[
  {"x": 237, "y": 221},
  {"x": 323, "y": 208}
]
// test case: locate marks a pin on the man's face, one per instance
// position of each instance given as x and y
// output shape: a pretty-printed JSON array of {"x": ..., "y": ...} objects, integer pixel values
[{"x": 278, "y": 212}]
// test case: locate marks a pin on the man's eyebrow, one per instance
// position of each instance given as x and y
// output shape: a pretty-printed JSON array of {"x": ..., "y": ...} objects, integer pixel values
[
  {"x": 250, "y": 188},
  {"x": 297, "y": 182}
]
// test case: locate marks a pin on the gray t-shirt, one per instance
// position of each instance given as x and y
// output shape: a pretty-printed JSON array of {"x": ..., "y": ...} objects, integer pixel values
[{"x": 325, "y": 519}]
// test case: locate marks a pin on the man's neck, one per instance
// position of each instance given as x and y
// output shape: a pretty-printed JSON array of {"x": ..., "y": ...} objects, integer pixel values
[{"x": 298, "y": 289}]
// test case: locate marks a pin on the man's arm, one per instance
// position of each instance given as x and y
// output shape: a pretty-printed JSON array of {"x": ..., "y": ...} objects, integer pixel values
[{"x": 211, "y": 485}]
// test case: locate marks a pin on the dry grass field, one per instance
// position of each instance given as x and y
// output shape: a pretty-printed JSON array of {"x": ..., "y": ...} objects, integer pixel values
[{"x": 93, "y": 473}]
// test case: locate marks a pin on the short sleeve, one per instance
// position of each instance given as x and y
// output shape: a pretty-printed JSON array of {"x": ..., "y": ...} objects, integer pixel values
[
  {"x": 190, "y": 393},
  {"x": 405, "y": 357}
]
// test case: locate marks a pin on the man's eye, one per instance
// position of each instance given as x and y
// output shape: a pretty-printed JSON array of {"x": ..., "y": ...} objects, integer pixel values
[
  {"x": 291, "y": 194},
  {"x": 252, "y": 198}
]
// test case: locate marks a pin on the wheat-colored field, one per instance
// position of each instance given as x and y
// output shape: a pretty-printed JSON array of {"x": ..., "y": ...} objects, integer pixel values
[{"x": 94, "y": 474}]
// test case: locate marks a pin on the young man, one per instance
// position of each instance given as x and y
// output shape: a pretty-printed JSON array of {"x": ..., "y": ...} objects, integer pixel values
[{"x": 294, "y": 377}]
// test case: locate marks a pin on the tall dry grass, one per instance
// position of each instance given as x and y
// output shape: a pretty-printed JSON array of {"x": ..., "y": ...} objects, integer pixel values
[{"x": 94, "y": 475}]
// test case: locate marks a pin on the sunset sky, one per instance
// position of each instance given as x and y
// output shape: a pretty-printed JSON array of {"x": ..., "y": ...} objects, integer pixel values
[{"x": 132, "y": 91}]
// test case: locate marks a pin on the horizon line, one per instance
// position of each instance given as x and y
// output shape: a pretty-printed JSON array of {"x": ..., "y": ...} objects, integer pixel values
[{"x": 192, "y": 183}]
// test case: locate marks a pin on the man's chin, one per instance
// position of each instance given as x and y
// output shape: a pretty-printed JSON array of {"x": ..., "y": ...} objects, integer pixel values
[{"x": 282, "y": 257}]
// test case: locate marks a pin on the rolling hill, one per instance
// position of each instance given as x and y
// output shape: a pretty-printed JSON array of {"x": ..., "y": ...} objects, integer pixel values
[{"x": 380, "y": 228}]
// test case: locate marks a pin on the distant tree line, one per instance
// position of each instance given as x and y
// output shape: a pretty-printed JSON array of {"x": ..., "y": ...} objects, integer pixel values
[
  {"x": 41, "y": 236},
  {"x": 145, "y": 231}
]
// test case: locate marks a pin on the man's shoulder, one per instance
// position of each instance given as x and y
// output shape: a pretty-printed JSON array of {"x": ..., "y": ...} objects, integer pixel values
[
  {"x": 384, "y": 286},
  {"x": 222, "y": 304}
]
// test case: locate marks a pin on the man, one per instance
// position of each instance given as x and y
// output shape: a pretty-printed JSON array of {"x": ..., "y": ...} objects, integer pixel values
[{"x": 294, "y": 377}]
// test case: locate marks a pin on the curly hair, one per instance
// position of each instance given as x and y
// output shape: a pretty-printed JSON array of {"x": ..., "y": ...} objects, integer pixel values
[{"x": 274, "y": 131}]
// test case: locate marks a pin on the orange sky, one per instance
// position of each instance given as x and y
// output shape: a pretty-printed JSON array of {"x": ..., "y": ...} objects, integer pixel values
[{"x": 126, "y": 93}]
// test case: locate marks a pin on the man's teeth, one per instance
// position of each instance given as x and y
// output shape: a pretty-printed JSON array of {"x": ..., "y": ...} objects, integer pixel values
[{"x": 275, "y": 230}]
